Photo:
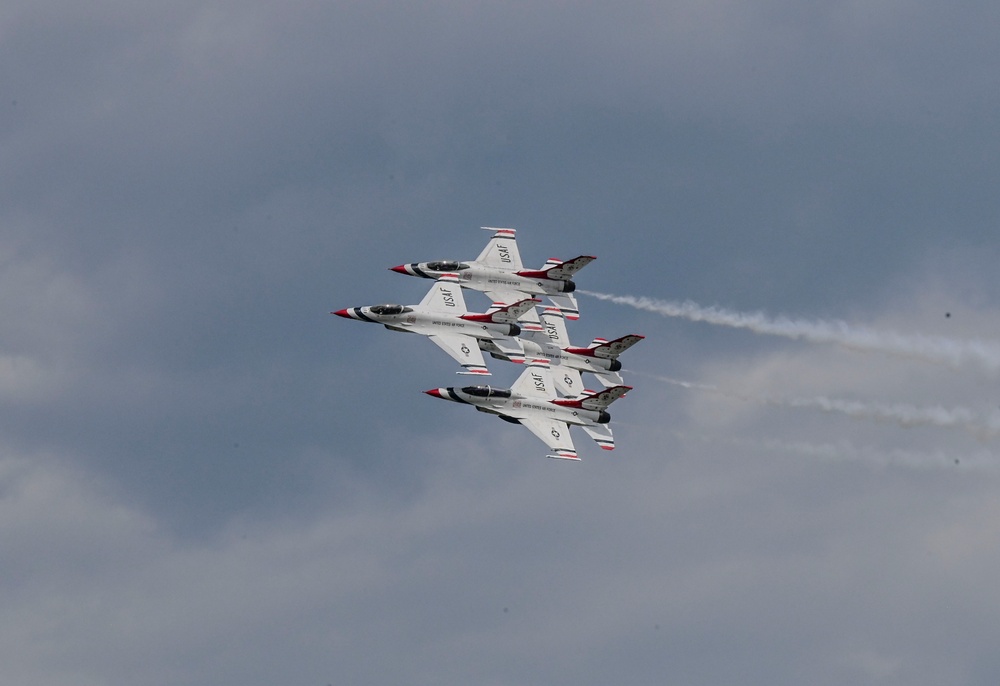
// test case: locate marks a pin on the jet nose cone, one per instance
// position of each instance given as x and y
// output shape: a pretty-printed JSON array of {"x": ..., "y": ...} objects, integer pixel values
[
  {"x": 436, "y": 392},
  {"x": 399, "y": 269},
  {"x": 342, "y": 313}
]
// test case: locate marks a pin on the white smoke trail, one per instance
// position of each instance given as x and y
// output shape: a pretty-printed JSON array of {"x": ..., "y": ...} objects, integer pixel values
[
  {"x": 936, "y": 349},
  {"x": 982, "y": 461},
  {"x": 844, "y": 450},
  {"x": 981, "y": 426}
]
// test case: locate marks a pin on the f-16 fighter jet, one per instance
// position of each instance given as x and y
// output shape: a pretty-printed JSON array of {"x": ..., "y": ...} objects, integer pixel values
[
  {"x": 442, "y": 317},
  {"x": 548, "y": 338},
  {"x": 498, "y": 272},
  {"x": 532, "y": 402}
]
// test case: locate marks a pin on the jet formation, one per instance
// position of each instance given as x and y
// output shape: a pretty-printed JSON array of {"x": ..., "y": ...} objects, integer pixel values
[{"x": 549, "y": 396}]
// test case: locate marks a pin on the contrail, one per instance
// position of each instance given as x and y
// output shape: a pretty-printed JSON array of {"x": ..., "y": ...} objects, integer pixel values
[
  {"x": 844, "y": 450},
  {"x": 982, "y": 461},
  {"x": 981, "y": 426},
  {"x": 936, "y": 349}
]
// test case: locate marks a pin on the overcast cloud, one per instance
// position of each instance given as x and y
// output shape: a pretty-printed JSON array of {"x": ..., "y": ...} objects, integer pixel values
[{"x": 207, "y": 479}]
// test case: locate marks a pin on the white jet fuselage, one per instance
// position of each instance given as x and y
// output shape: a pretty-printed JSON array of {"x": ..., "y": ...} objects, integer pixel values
[
  {"x": 534, "y": 403},
  {"x": 500, "y": 273},
  {"x": 480, "y": 277},
  {"x": 559, "y": 357},
  {"x": 510, "y": 405},
  {"x": 415, "y": 319}
]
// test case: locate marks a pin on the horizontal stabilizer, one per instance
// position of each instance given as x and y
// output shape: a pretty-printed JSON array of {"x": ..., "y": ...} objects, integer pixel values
[
  {"x": 601, "y": 433},
  {"x": 608, "y": 378},
  {"x": 566, "y": 302},
  {"x": 510, "y": 347}
]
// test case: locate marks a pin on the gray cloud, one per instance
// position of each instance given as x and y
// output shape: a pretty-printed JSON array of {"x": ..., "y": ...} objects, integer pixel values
[{"x": 205, "y": 478}]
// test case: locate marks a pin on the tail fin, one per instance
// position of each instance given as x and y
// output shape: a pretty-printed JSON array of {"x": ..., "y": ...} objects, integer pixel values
[
  {"x": 595, "y": 400},
  {"x": 557, "y": 270},
  {"x": 608, "y": 350}
]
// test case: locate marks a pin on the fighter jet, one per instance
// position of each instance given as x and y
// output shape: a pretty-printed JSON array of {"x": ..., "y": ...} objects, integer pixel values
[
  {"x": 499, "y": 273},
  {"x": 532, "y": 402},
  {"x": 548, "y": 338},
  {"x": 443, "y": 317}
]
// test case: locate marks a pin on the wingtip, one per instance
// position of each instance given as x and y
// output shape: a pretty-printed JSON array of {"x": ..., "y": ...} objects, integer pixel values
[{"x": 565, "y": 456}]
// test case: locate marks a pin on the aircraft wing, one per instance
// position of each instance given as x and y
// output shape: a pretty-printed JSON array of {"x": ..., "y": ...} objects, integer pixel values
[
  {"x": 535, "y": 381},
  {"x": 501, "y": 252},
  {"x": 555, "y": 326},
  {"x": 554, "y": 434},
  {"x": 445, "y": 296},
  {"x": 465, "y": 350},
  {"x": 567, "y": 380}
]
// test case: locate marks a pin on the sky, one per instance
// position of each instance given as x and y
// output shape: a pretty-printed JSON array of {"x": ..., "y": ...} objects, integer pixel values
[{"x": 207, "y": 479}]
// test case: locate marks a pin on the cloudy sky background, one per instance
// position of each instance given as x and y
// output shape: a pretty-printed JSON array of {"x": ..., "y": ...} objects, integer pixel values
[{"x": 207, "y": 479}]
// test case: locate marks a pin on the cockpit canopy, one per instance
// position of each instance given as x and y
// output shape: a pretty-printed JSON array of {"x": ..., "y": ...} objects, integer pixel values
[
  {"x": 486, "y": 392},
  {"x": 389, "y": 309},
  {"x": 446, "y": 266}
]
